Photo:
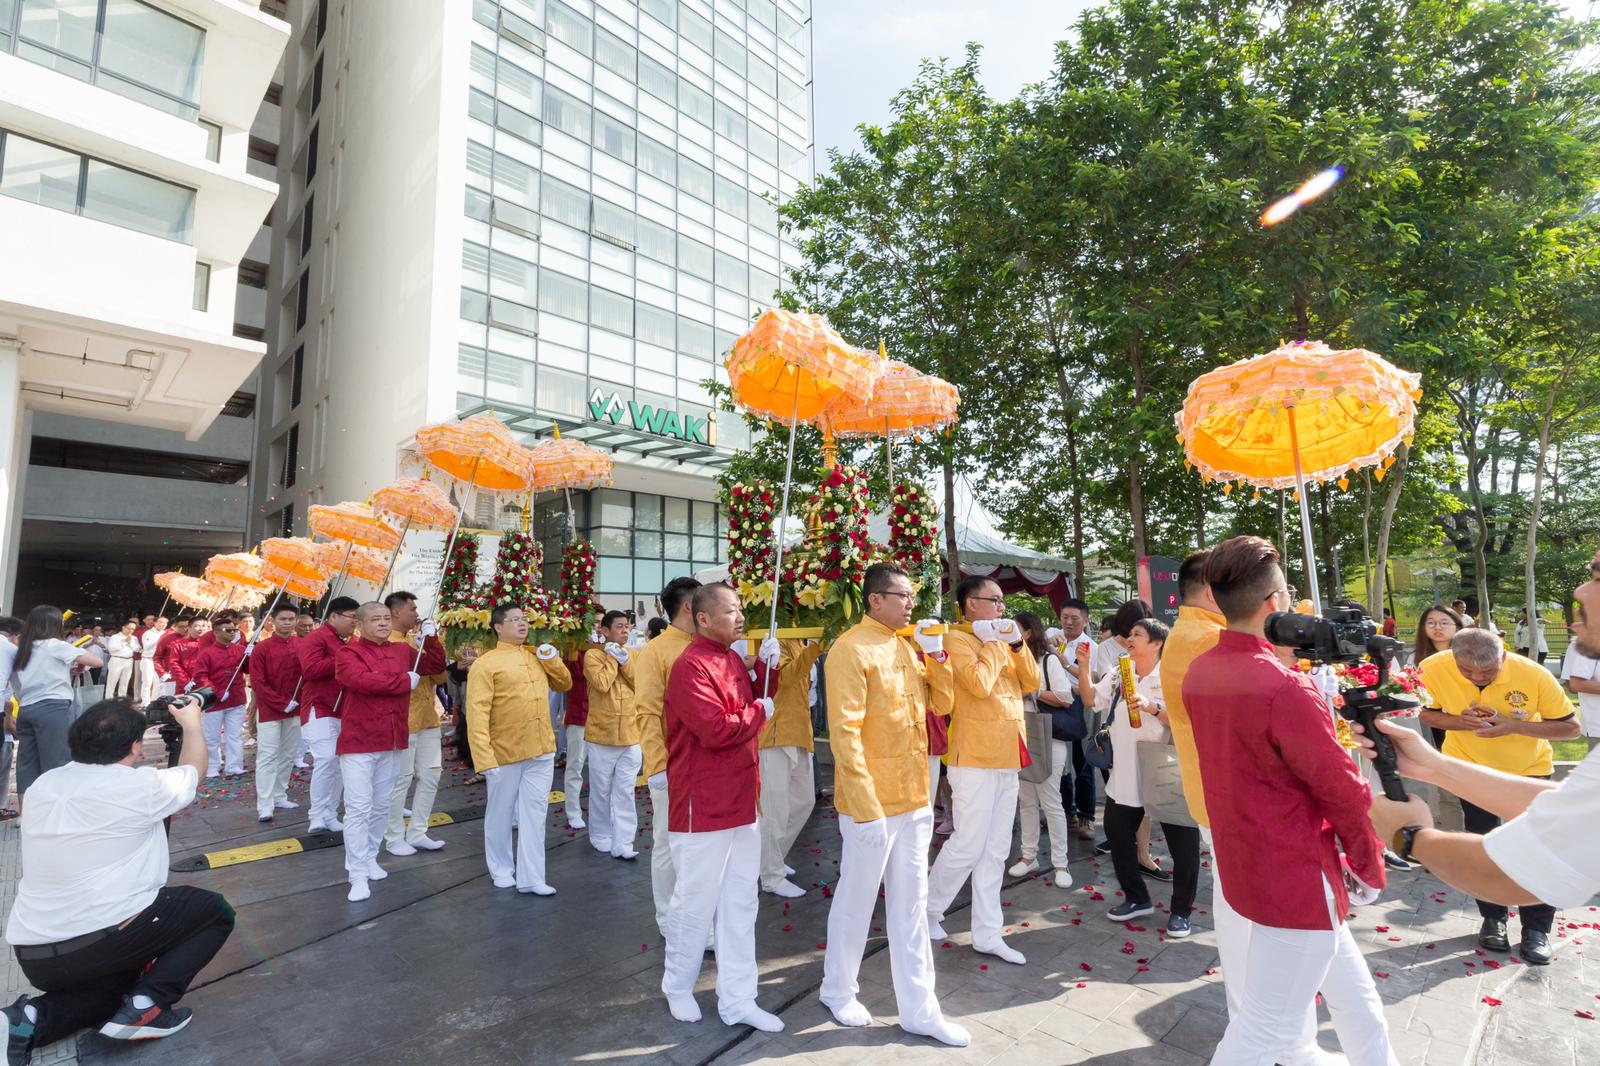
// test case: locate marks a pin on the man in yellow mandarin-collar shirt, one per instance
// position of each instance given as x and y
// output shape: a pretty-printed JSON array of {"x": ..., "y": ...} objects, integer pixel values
[
  {"x": 788, "y": 782},
  {"x": 652, "y": 665},
  {"x": 423, "y": 759},
  {"x": 992, "y": 668},
  {"x": 611, "y": 739},
  {"x": 513, "y": 746},
  {"x": 878, "y": 697}
]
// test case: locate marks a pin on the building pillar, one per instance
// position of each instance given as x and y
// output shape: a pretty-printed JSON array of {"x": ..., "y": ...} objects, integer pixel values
[{"x": 15, "y": 432}]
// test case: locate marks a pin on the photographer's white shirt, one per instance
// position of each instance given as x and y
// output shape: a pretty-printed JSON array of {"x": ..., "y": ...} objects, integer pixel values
[
  {"x": 94, "y": 852},
  {"x": 1547, "y": 848}
]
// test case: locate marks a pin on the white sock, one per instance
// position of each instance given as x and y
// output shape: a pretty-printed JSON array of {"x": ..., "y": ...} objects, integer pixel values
[
  {"x": 31, "y": 1011},
  {"x": 142, "y": 1002},
  {"x": 852, "y": 1014},
  {"x": 756, "y": 1017},
  {"x": 1001, "y": 950},
  {"x": 684, "y": 1008}
]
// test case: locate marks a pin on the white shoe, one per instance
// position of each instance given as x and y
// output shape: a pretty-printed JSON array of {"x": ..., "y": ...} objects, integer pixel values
[
  {"x": 335, "y": 825},
  {"x": 400, "y": 848},
  {"x": 302, "y": 766},
  {"x": 626, "y": 854},
  {"x": 936, "y": 929},
  {"x": 944, "y": 1031},
  {"x": 684, "y": 1008},
  {"x": 426, "y": 844},
  {"x": 788, "y": 871},
  {"x": 505, "y": 882},
  {"x": 757, "y": 1018},
  {"x": 315, "y": 827},
  {"x": 786, "y": 889},
  {"x": 602, "y": 849},
  {"x": 1023, "y": 867},
  {"x": 405, "y": 812},
  {"x": 576, "y": 822},
  {"x": 1063, "y": 877},
  {"x": 1003, "y": 951},
  {"x": 376, "y": 872},
  {"x": 359, "y": 890},
  {"x": 287, "y": 805},
  {"x": 851, "y": 1014},
  {"x": 249, "y": 742},
  {"x": 537, "y": 890}
]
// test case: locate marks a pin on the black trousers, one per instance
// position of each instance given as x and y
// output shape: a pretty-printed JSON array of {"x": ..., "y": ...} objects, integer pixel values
[
  {"x": 156, "y": 953},
  {"x": 1183, "y": 841},
  {"x": 1077, "y": 788},
  {"x": 1536, "y": 917}
]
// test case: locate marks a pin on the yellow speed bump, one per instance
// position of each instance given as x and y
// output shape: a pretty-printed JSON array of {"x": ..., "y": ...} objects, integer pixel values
[{"x": 272, "y": 849}]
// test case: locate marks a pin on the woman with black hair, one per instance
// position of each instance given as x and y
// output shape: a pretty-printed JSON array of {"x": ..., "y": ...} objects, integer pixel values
[
  {"x": 41, "y": 679},
  {"x": 1054, "y": 691}
]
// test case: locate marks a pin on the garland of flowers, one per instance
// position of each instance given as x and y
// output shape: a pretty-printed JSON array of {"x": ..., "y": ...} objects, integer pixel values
[
  {"x": 751, "y": 510},
  {"x": 577, "y": 576},
  {"x": 460, "y": 590},
  {"x": 516, "y": 571},
  {"x": 913, "y": 541}
]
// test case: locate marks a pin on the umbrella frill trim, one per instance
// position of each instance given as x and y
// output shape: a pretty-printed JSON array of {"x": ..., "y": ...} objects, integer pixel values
[
  {"x": 565, "y": 463},
  {"x": 792, "y": 365},
  {"x": 363, "y": 564},
  {"x": 417, "y": 500},
  {"x": 904, "y": 402},
  {"x": 477, "y": 452},
  {"x": 353, "y": 522}
]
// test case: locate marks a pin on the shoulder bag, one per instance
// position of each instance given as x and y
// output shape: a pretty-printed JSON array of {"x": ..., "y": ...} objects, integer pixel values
[
  {"x": 1097, "y": 745},
  {"x": 1036, "y": 725}
]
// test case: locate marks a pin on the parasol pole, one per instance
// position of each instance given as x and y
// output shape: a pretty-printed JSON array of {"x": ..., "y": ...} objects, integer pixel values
[
  {"x": 393, "y": 558},
  {"x": 783, "y": 526},
  {"x": 888, "y": 452},
  {"x": 449, "y": 545},
  {"x": 344, "y": 564},
  {"x": 255, "y": 635},
  {"x": 169, "y": 597},
  {"x": 572, "y": 519},
  {"x": 1305, "y": 515}
]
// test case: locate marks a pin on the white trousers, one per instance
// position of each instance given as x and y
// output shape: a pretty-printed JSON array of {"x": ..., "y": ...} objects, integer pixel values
[
  {"x": 119, "y": 678},
  {"x": 662, "y": 877},
  {"x": 613, "y": 817},
  {"x": 302, "y": 750},
  {"x": 902, "y": 869},
  {"x": 144, "y": 689},
  {"x": 788, "y": 794},
  {"x": 1047, "y": 794},
  {"x": 716, "y": 882},
  {"x": 368, "y": 783},
  {"x": 422, "y": 761},
  {"x": 572, "y": 776},
  {"x": 985, "y": 802},
  {"x": 275, "y": 747},
  {"x": 520, "y": 789},
  {"x": 224, "y": 733},
  {"x": 327, "y": 782},
  {"x": 1271, "y": 978},
  {"x": 934, "y": 763}
]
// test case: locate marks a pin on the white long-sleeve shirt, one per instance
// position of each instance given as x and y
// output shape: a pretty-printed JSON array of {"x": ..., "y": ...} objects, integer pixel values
[
  {"x": 121, "y": 646},
  {"x": 1123, "y": 785}
]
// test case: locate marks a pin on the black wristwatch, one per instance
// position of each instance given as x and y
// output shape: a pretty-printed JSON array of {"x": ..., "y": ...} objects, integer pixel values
[{"x": 1405, "y": 838}]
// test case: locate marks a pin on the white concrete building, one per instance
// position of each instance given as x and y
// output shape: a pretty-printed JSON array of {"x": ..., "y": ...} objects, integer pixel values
[
  {"x": 560, "y": 210},
  {"x": 128, "y": 203}
]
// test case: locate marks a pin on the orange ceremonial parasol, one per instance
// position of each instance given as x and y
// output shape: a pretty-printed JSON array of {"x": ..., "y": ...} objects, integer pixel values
[
  {"x": 196, "y": 593},
  {"x": 1301, "y": 412},
  {"x": 239, "y": 569},
  {"x": 569, "y": 464},
  {"x": 294, "y": 584},
  {"x": 296, "y": 557},
  {"x": 353, "y": 523},
  {"x": 363, "y": 564},
  {"x": 791, "y": 366},
  {"x": 478, "y": 451},
  {"x": 904, "y": 402},
  {"x": 415, "y": 501},
  {"x": 164, "y": 579}
]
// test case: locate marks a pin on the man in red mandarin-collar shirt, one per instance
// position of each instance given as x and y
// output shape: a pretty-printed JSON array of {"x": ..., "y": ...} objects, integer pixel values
[
  {"x": 1277, "y": 783},
  {"x": 219, "y": 666},
  {"x": 713, "y": 722},
  {"x": 319, "y": 708},
  {"x": 275, "y": 682}
]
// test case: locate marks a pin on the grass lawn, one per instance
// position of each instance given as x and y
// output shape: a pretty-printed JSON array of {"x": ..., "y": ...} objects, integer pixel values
[{"x": 1570, "y": 750}]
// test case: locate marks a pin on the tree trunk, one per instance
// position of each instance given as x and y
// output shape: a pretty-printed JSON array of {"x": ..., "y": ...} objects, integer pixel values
[
  {"x": 1135, "y": 484},
  {"x": 1199, "y": 523},
  {"x": 1070, "y": 417},
  {"x": 1480, "y": 539},
  {"x": 1302, "y": 317},
  {"x": 1393, "y": 480},
  {"x": 952, "y": 552},
  {"x": 1330, "y": 558},
  {"x": 1532, "y": 599}
]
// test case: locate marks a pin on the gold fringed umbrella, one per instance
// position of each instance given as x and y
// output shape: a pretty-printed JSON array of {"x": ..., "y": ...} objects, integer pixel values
[
  {"x": 416, "y": 502},
  {"x": 569, "y": 464}
]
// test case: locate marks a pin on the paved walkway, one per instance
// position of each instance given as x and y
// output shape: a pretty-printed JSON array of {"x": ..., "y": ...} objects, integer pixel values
[{"x": 440, "y": 966}]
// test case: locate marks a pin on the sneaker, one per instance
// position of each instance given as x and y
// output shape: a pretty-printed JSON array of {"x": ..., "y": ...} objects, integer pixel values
[
  {"x": 945, "y": 826},
  {"x": 287, "y": 805},
  {"x": 1177, "y": 928},
  {"x": 1023, "y": 867},
  {"x": 426, "y": 844},
  {"x": 575, "y": 821},
  {"x": 151, "y": 1023},
  {"x": 1086, "y": 829},
  {"x": 625, "y": 854},
  {"x": 1154, "y": 871},
  {"x": 400, "y": 848},
  {"x": 264, "y": 819},
  {"x": 359, "y": 890},
  {"x": 1129, "y": 909},
  {"x": 1063, "y": 878},
  {"x": 19, "y": 1034},
  {"x": 1102, "y": 848},
  {"x": 785, "y": 888},
  {"x": 1394, "y": 862}
]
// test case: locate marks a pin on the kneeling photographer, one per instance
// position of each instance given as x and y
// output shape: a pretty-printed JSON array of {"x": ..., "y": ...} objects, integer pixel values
[{"x": 95, "y": 924}]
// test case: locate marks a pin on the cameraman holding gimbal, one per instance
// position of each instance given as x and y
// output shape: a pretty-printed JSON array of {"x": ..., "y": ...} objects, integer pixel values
[{"x": 95, "y": 924}]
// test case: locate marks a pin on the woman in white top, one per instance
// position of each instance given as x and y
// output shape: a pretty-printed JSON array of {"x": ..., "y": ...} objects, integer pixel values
[
  {"x": 120, "y": 647},
  {"x": 1055, "y": 693},
  {"x": 41, "y": 679},
  {"x": 1124, "y": 799}
]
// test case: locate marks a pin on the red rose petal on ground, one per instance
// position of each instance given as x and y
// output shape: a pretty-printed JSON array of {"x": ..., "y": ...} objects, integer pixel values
[
  {"x": 1211, "y": 971},
  {"x": 788, "y": 929},
  {"x": 1382, "y": 928},
  {"x": 1491, "y": 1001},
  {"x": 1135, "y": 928},
  {"x": 1085, "y": 967},
  {"x": 1082, "y": 985},
  {"x": 822, "y": 946},
  {"x": 1380, "y": 973},
  {"x": 1589, "y": 1014},
  {"x": 985, "y": 966},
  {"x": 1142, "y": 969},
  {"x": 948, "y": 944}
]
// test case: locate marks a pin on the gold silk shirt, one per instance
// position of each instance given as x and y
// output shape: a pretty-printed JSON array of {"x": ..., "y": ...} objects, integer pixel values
[
  {"x": 613, "y": 720},
  {"x": 508, "y": 705},
  {"x": 986, "y": 729},
  {"x": 791, "y": 716},
  {"x": 652, "y": 665}
]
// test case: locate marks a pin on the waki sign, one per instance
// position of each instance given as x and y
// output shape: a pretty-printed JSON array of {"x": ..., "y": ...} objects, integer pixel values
[{"x": 657, "y": 421}]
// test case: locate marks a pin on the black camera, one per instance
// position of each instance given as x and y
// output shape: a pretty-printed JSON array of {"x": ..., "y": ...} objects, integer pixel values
[
  {"x": 1346, "y": 635},
  {"x": 159, "y": 710}
]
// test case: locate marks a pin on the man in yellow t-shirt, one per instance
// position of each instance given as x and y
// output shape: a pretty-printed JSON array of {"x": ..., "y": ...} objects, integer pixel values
[{"x": 1501, "y": 711}]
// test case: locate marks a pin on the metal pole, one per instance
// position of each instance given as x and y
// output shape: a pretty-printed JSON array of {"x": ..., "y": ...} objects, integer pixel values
[
  {"x": 783, "y": 528},
  {"x": 1305, "y": 515},
  {"x": 449, "y": 546},
  {"x": 393, "y": 558},
  {"x": 344, "y": 564},
  {"x": 888, "y": 452},
  {"x": 255, "y": 635}
]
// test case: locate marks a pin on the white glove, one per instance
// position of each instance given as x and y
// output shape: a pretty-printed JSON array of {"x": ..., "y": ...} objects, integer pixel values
[
  {"x": 1008, "y": 630},
  {"x": 249, "y": 649},
  {"x": 430, "y": 628},
  {"x": 546, "y": 652},
  {"x": 658, "y": 780},
  {"x": 931, "y": 644},
  {"x": 490, "y": 772},
  {"x": 741, "y": 646},
  {"x": 1055, "y": 637},
  {"x": 873, "y": 834},
  {"x": 769, "y": 652},
  {"x": 189, "y": 687},
  {"x": 289, "y": 708},
  {"x": 166, "y": 677},
  {"x": 416, "y": 679},
  {"x": 618, "y": 652},
  {"x": 1361, "y": 893},
  {"x": 986, "y": 630},
  {"x": 766, "y": 706}
]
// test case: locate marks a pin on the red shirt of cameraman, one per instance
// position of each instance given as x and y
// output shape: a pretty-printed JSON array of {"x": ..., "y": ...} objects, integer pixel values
[{"x": 1277, "y": 783}]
